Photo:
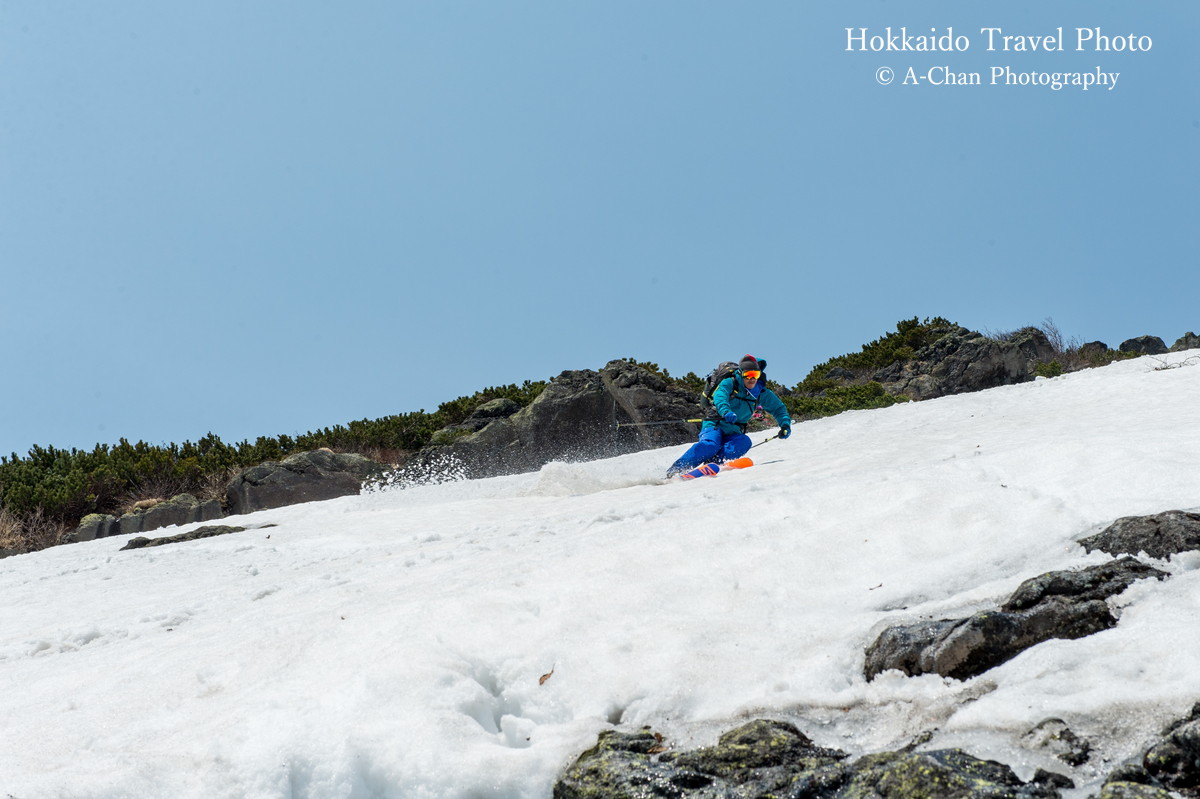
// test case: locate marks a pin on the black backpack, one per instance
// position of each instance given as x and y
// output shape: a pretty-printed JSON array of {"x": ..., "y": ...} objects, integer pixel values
[{"x": 724, "y": 370}]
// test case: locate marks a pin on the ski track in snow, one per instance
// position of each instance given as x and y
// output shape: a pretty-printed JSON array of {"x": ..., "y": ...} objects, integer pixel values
[{"x": 393, "y": 644}]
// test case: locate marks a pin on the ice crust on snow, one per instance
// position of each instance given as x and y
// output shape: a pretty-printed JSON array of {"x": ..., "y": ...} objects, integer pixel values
[{"x": 393, "y": 644}]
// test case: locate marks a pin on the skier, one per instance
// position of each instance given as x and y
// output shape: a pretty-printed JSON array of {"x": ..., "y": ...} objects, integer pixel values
[{"x": 723, "y": 433}]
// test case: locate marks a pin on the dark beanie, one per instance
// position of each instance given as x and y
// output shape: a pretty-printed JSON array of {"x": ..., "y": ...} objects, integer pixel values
[{"x": 749, "y": 363}]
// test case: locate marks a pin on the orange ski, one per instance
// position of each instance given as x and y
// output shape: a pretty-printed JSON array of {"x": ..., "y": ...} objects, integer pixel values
[{"x": 713, "y": 469}]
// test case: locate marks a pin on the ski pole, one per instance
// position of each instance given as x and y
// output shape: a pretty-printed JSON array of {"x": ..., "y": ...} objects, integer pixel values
[
  {"x": 651, "y": 424},
  {"x": 765, "y": 440}
]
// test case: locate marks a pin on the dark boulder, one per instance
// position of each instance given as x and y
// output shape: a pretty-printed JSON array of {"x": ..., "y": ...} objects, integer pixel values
[
  {"x": 1033, "y": 344},
  {"x": 178, "y": 510},
  {"x": 95, "y": 525},
  {"x": 1095, "y": 582},
  {"x": 481, "y": 417},
  {"x": 761, "y": 758},
  {"x": 746, "y": 752},
  {"x": 962, "y": 361},
  {"x": 1188, "y": 341},
  {"x": 1131, "y": 790},
  {"x": 581, "y": 415},
  {"x": 200, "y": 532},
  {"x": 938, "y": 774},
  {"x": 1144, "y": 345},
  {"x": 1159, "y": 535},
  {"x": 772, "y": 758},
  {"x": 1172, "y": 763},
  {"x": 840, "y": 373},
  {"x": 965, "y": 648},
  {"x": 1054, "y": 736},
  {"x": 623, "y": 766},
  {"x": 1055, "y": 605},
  {"x": 303, "y": 477}
]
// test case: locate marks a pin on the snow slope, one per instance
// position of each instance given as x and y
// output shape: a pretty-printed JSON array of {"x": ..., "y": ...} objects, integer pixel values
[{"x": 392, "y": 644}]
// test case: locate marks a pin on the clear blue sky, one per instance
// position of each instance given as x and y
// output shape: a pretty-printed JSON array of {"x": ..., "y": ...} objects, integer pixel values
[{"x": 269, "y": 217}]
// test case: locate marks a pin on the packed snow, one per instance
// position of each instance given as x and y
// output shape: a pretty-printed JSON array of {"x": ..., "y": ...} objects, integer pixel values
[{"x": 471, "y": 638}]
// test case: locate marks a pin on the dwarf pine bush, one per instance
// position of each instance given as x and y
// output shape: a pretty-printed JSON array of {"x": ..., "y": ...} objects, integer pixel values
[
  {"x": 901, "y": 345},
  {"x": 51, "y": 489}
]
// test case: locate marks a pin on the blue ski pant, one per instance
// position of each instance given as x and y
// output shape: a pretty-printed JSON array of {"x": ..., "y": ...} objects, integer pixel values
[{"x": 713, "y": 447}]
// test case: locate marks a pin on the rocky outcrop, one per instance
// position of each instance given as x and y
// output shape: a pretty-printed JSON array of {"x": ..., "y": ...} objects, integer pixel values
[
  {"x": 1120, "y": 789},
  {"x": 938, "y": 774},
  {"x": 96, "y": 525},
  {"x": 1144, "y": 345},
  {"x": 1054, "y": 605},
  {"x": 1054, "y": 736},
  {"x": 1159, "y": 535},
  {"x": 1170, "y": 764},
  {"x": 139, "y": 542},
  {"x": 760, "y": 757},
  {"x": 178, "y": 510},
  {"x": 303, "y": 477},
  {"x": 581, "y": 415},
  {"x": 960, "y": 361},
  {"x": 1188, "y": 341},
  {"x": 480, "y": 418},
  {"x": 772, "y": 758}
]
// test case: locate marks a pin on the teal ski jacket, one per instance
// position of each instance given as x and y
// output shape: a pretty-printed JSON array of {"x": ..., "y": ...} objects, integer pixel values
[{"x": 732, "y": 395}]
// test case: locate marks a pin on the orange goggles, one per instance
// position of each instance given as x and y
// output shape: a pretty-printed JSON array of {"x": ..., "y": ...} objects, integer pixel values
[{"x": 753, "y": 374}]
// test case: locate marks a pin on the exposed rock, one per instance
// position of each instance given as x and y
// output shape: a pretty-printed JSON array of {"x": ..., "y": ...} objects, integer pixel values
[
  {"x": 1144, "y": 345},
  {"x": 1054, "y": 736},
  {"x": 939, "y": 774},
  {"x": 1188, "y": 341},
  {"x": 200, "y": 532},
  {"x": 1055, "y": 605},
  {"x": 964, "y": 648},
  {"x": 961, "y": 361},
  {"x": 575, "y": 418},
  {"x": 771, "y": 758},
  {"x": 762, "y": 744},
  {"x": 1043, "y": 777},
  {"x": 1132, "y": 790},
  {"x": 1033, "y": 344},
  {"x": 95, "y": 525},
  {"x": 303, "y": 477},
  {"x": 622, "y": 766},
  {"x": 1095, "y": 582},
  {"x": 1170, "y": 764},
  {"x": 129, "y": 523},
  {"x": 1174, "y": 762},
  {"x": 481, "y": 417},
  {"x": 1093, "y": 349},
  {"x": 1159, "y": 535},
  {"x": 178, "y": 510}
]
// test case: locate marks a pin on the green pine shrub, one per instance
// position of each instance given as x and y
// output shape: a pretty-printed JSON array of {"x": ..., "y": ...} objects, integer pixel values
[
  {"x": 1048, "y": 369},
  {"x": 817, "y": 395},
  {"x": 832, "y": 401},
  {"x": 909, "y": 337},
  {"x": 50, "y": 489}
]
